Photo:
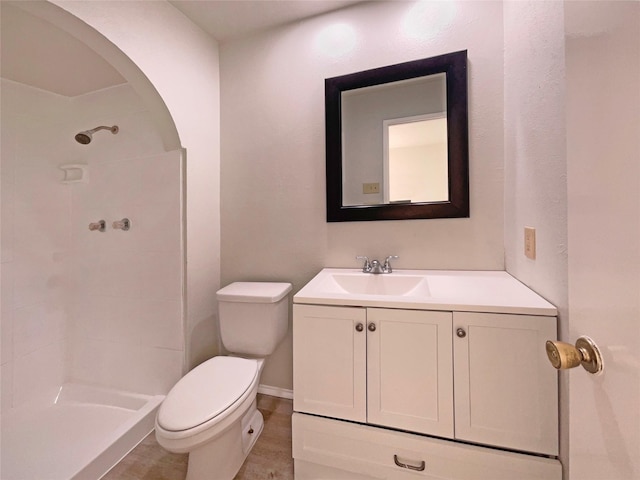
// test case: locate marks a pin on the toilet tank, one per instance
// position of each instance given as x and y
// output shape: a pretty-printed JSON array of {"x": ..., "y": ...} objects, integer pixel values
[{"x": 254, "y": 316}]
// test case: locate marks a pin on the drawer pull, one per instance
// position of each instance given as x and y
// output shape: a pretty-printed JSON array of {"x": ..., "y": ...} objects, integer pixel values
[{"x": 418, "y": 468}]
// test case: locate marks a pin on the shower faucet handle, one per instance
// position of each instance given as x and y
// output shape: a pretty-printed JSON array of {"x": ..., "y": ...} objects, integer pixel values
[
  {"x": 100, "y": 226},
  {"x": 124, "y": 224}
]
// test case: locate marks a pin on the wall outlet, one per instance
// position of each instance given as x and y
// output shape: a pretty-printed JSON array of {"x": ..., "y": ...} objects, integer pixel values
[
  {"x": 370, "y": 188},
  {"x": 530, "y": 242}
]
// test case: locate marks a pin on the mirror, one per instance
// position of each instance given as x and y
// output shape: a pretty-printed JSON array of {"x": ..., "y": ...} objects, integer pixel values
[{"x": 397, "y": 141}]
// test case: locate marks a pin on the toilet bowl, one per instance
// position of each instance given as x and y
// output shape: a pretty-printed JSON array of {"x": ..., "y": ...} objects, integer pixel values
[{"x": 211, "y": 413}]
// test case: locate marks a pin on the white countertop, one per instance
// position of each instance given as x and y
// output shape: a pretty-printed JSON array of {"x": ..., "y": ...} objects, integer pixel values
[{"x": 453, "y": 290}]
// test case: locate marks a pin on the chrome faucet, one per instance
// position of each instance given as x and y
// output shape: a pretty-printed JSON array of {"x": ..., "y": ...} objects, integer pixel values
[{"x": 374, "y": 266}]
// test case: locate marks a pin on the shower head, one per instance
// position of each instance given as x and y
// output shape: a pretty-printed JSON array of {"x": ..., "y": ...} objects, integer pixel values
[{"x": 85, "y": 137}]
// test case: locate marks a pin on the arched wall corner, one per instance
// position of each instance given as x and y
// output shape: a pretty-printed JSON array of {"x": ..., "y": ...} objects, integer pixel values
[
  {"x": 95, "y": 40},
  {"x": 181, "y": 61}
]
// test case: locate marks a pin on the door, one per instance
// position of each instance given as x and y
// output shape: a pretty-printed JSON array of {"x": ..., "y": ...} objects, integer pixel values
[
  {"x": 410, "y": 371},
  {"x": 603, "y": 171},
  {"x": 506, "y": 394},
  {"x": 329, "y": 374}
]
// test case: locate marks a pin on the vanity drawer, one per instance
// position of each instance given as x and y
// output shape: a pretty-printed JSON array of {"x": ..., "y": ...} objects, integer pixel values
[{"x": 336, "y": 450}]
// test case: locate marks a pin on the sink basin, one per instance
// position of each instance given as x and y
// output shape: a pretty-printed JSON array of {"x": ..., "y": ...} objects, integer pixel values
[{"x": 383, "y": 284}]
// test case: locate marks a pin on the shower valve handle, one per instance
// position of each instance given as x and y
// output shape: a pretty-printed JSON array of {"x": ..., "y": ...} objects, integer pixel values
[
  {"x": 100, "y": 226},
  {"x": 124, "y": 224}
]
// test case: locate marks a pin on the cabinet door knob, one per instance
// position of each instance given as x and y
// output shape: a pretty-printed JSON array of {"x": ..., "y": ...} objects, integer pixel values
[
  {"x": 359, "y": 327},
  {"x": 372, "y": 327},
  {"x": 461, "y": 333}
]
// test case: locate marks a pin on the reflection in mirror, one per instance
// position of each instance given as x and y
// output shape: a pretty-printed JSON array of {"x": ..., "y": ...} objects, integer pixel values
[
  {"x": 366, "y": 114},
  {"x": 415, "y": 159},
  {"x": 397, "y": 141}
]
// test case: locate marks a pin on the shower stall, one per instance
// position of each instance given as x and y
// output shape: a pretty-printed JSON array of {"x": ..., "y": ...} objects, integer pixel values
[{"x": 92, "y": 331}]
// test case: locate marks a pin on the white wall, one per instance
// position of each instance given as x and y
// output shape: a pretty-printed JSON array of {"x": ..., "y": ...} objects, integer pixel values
[
  {"x": 534, "y": 156},
  {"x": 273, "y": 157},
  {"x": 534, "y": 126},
  {"x": 181, "y": 61}
]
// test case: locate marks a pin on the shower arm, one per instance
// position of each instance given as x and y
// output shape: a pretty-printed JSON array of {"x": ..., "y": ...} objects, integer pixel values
[{"x": 113, "y": 129}]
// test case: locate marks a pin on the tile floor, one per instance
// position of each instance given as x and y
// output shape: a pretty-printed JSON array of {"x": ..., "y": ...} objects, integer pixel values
[{"x": 270, "y": 458}]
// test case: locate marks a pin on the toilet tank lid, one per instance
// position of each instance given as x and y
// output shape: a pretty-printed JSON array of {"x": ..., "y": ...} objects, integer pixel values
[{"x": 254, "y": 292}]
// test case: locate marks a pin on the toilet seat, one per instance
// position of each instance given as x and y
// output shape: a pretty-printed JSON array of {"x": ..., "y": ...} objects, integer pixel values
[{"x": 207, "y": 394}]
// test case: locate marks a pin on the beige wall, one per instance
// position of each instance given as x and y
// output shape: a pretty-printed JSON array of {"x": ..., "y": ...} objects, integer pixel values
[{"x": 272, "y": 148}]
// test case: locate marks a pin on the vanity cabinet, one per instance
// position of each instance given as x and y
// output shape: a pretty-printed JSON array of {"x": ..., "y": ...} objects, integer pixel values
[
  {"x": 447, "y": 379},
  {"x": 400, "y": 368}
]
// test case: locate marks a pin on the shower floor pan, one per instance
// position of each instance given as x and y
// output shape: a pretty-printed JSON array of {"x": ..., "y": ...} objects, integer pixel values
[{"x": 81, "y": 435}]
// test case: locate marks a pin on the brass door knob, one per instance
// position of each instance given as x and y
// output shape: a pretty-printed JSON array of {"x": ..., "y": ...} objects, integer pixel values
[{"x": 585, "y": 352}]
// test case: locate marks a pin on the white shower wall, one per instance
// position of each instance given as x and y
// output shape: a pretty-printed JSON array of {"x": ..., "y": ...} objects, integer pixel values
[
  {"x": 101, "y": 308},
  {"x": 35, "y": 242},
  {"x": 126, "y": 330}
]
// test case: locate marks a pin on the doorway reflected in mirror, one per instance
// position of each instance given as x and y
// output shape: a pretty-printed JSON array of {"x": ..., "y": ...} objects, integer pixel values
[{"x": 415, "y": 159}]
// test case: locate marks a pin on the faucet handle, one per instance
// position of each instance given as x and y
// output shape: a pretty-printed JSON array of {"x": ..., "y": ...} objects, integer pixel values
[
  {"x": 100, "y": 226},
  {"x": 387, "y": 263},
  {"x": 124, "y": 224},
  {"x": 366, "y": 268}
]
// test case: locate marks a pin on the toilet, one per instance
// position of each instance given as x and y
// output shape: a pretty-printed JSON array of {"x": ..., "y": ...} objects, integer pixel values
[{"x": 211, "y": 413}]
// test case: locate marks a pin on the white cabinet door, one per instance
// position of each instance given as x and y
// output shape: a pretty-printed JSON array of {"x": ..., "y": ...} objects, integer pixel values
[
  {"x": 329, "y": 372},
  {"x": 410, "y": 370},
  {"x": 506, "y": 394}
]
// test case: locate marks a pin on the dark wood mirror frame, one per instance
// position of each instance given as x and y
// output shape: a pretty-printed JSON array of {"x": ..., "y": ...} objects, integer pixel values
[{"x": 455, "y": 67}]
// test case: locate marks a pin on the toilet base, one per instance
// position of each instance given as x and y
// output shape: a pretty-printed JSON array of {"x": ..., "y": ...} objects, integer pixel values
[{"x": 221, "y": 458}]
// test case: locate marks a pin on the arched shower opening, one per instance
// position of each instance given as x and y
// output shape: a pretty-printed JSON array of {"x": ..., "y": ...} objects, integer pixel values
[{"x": 92, "y": 319}]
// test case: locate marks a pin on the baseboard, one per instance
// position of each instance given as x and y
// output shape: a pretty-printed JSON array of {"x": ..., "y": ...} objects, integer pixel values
[{"x": 275, "y": 391}]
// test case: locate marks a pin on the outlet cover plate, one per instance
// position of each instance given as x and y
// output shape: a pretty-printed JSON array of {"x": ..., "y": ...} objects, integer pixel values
[{"x": 530, "y": 242}]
